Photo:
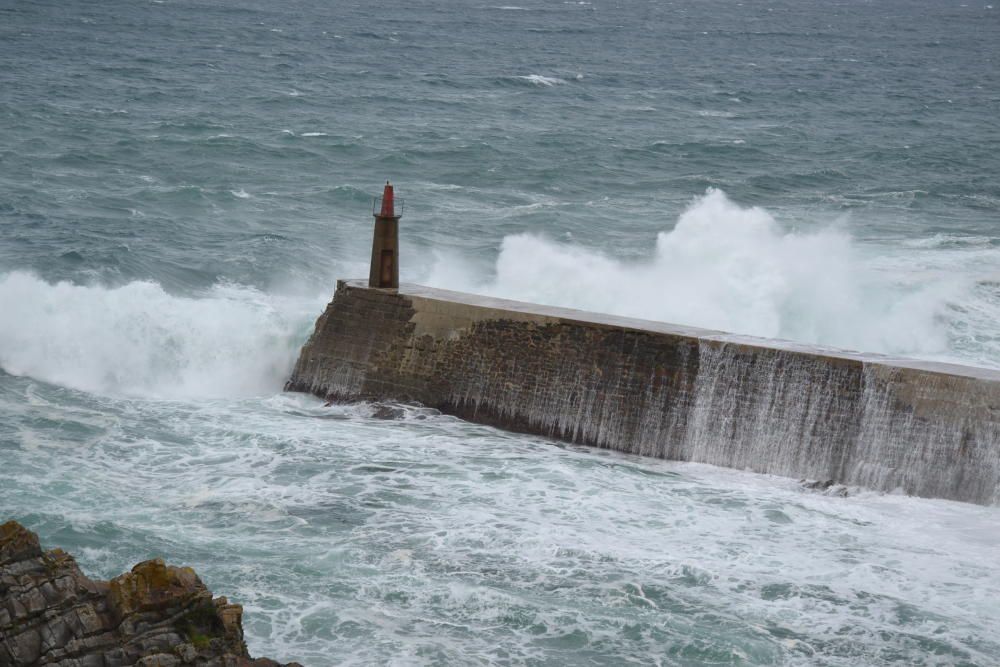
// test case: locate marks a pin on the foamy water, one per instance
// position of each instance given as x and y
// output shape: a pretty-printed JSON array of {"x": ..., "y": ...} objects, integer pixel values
[
  {"x": 181, "y": 184},
  {"x": 354, "y": 540},
  {"x": 139, "y": 340}
]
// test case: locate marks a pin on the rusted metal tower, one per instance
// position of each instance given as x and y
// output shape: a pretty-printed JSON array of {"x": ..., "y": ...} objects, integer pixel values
[{"x": 385, "y": 242}]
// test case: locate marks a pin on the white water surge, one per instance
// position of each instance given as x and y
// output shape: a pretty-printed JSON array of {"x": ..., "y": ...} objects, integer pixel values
[
  {"x": 139, "y": 340},
  {"x": 356, "y": 541},
  {"x": 736, "y": 269}
]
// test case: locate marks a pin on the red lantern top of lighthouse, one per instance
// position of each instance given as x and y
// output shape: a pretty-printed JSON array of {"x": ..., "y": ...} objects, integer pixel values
[{"x": 387, "y": 206}]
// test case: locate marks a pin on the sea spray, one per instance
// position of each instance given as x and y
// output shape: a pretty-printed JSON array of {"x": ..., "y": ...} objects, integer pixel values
[
  {"x": 139, "y": 340},
  {"x": 736, "y": 269}
]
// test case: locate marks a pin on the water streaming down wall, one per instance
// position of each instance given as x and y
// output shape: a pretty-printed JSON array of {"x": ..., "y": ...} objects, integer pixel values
[{"x": 662, "y": 390}]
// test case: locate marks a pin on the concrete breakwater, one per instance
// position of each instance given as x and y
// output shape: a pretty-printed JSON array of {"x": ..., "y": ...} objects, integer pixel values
[{"x": 680, "y": 393}]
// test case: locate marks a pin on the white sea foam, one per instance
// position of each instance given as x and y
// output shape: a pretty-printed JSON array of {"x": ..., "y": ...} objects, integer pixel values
[
  {"x": 138, "y": 340},
  {"x": 540, "y": 80},
  {"x": 443, "y": 538},
  {"x": 314, "y": 134},
  {"x": 945, "y": 240},
  {"x": 736, "y": 269}
]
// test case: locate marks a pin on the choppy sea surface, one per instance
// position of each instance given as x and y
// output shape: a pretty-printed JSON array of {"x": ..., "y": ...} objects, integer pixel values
[{"x": 182, "y": 182}]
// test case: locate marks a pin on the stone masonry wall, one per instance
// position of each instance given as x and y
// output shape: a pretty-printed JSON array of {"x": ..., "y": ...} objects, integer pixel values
[{"x": 665, "y": 391}]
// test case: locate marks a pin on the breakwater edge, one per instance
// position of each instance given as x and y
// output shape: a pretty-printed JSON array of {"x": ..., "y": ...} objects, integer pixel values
[{"x": 924, "y": 428}]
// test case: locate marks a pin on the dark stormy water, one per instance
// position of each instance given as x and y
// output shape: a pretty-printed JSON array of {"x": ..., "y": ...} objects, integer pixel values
[{"x": 182, "y": 182}]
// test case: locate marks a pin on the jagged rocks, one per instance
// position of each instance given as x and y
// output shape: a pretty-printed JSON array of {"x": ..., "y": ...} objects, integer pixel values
[
  {"x": 826, "y": 487},
  {"x": 157, "y": 615},
  {"x": 388, "y": 412},
  {"x": 816, "y": 484}
]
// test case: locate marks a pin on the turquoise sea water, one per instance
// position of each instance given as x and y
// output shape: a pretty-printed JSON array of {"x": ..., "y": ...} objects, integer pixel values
[{"x": 182, "y": 182}]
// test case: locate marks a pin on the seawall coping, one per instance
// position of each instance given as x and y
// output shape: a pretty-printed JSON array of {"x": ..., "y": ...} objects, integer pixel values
[{"x": 574, "y": 316}]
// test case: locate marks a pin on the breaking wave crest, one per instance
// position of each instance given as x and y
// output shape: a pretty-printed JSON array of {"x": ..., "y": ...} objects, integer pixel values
[
  {"x": 734, "y": 269},
  {"x": 138, "y": 340}
]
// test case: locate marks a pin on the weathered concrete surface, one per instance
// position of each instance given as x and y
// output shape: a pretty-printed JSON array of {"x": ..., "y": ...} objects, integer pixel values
[
  {"x": 929, "y": 429},
  {"x": 156, "y": 615}
]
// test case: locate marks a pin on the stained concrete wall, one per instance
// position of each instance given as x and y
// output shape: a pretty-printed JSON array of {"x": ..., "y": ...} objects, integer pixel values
[{"x": 661, "y": 390}]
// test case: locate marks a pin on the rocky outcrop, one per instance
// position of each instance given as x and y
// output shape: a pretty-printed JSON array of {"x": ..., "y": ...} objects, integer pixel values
[{"x": 157, "y": 615}]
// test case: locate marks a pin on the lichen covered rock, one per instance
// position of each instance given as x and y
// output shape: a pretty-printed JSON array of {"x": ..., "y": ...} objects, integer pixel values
[{"x": 157, "y": 615}]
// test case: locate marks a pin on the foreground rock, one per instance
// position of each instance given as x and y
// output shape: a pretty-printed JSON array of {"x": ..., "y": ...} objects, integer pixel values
[{"x": 157, "y": 615}]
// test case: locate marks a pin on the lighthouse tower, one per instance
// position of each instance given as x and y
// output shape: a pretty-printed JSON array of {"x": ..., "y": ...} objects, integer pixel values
[{"x": 385, "y": 243}]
